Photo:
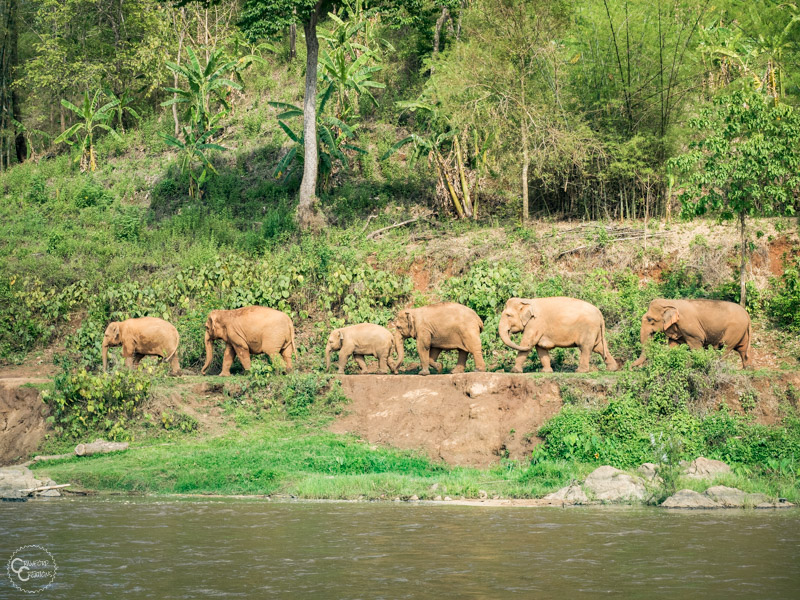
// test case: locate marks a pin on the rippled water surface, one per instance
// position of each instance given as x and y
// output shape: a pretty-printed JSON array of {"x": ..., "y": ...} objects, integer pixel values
[{"x": 257, "y": 549}]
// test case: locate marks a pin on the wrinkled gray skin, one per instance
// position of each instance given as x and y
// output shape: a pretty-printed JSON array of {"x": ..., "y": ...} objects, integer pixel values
[
  {"x": 549, "y": 323},
  {"x": 700, "y": 324},
  {"x": 146, "y": 336},
  {"x": 249, "y": 330},
  {"x": 443, "y": 326},
  {"x": 365, "y": 339}
]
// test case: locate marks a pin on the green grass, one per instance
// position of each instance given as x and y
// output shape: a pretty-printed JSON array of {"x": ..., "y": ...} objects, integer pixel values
[{"x": 289, "y": 457}]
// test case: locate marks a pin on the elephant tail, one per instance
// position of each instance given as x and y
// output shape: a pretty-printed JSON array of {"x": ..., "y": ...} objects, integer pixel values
[
  {"x": 291, "y": 338},
  {"x": 171, "y": 354},
  {"x": 606, "y": 354}
]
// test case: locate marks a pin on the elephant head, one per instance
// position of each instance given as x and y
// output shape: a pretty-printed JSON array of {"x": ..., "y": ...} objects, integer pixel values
[
  {"x": 406, "y": 324},
  {"x": 214, "y": 331},
  {"x": 514, "y": 318},
  {"x": 335, "y": 340},
  {"x": 110, "y": 338},
  {"x": 660, "y": 316}
]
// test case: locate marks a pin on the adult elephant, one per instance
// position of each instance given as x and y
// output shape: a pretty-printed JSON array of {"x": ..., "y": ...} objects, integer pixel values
[
  {"x": 364, "y": 339},
  {"x": 443, "y": 326},
  {"x": 558, "y": 322},
  {"x": 700, "y": 324},
  {"x": 146, "y": 336},
  {"x": 246, "y": 331}
]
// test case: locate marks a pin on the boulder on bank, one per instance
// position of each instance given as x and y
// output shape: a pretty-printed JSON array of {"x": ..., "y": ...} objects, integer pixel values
[
  {"x": 689, "y": 499},
  {"x": 649, "y": 472},
  {"x": 729, "y": 497},
  {"x": 15, "y": 479},
  {"x": 612, "y": 485},
  {"x": 571, "y": 494},
  {"x": 706, "y": 468}
]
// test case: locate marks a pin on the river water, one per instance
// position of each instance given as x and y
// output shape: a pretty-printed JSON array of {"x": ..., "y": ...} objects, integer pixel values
[{"x": 163, "y": 549}]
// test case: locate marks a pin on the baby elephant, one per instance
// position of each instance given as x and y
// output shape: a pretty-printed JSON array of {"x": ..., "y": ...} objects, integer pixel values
[
  {"x": 147, "y": 336},
  {"x": 365, "y": 339}
]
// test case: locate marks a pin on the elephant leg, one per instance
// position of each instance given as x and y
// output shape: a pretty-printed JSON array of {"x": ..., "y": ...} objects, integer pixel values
[
  {"x": 175, "y": 365},
  {"x": 673, "y": 343},
  {"x": 128, "y": 353},
  {"x": 424, "y": 349},
  {"x": 462, "y": 361},
  {"x": 519, "y": 363},
  {"x": 286, "y": 355},
  {"x": 244, "y": 356},
  {"x": 137, "y": 358},
  {"x": 362, "y": 364},
  {"x": 745, "y": 354},
  {"x": 383, "y": 362},
  {"x": 544, "y": 357},
  {"x": 583, "y": 362},
  {"x": 435, "y": 352},
  {"x": 227, "y": 360},
  {"x": 477, "y": 356},
  {"x": 694, "y": 343},
  {"x": 343, "y": 358}
]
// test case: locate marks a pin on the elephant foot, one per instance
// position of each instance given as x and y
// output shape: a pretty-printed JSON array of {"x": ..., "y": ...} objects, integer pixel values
[
  {"x": 516, "y": 370},
  {"x": 425, "y": 372},
  {"x": 225, "y": 374},
  {"x": 582, "y": 370},
  {"x": 437, "y": 366},
  {"x": 547, "y": 370},
  {"x": 458, "y": 369}
]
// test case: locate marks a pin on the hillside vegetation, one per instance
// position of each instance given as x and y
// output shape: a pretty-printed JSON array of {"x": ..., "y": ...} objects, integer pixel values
[{"x": 613, "y": 152}]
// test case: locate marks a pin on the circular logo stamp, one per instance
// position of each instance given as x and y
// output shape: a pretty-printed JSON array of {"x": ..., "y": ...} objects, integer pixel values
[{"x": 31, "y": 569}]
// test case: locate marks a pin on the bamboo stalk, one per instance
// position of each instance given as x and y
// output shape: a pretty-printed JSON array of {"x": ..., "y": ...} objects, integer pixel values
[
  {"x": 464, "y": 187},
  {"x": 443, "y": 175}
]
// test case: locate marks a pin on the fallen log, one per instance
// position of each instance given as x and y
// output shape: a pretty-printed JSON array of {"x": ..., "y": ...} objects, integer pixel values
[
  {"x": 99, "y": 447},
  {"x": 44, "y": 488}
]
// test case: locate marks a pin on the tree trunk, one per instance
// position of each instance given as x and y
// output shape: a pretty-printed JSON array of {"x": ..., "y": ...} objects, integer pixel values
[
  {"x": 308, "y": 215},
  {"x": 13, "y": 33},
  {"x": 99, "y": 447},
  {"x": 525, "y": 165},
  {"x": 742, "y": 286},
  {"x": 292, "y": 41}
]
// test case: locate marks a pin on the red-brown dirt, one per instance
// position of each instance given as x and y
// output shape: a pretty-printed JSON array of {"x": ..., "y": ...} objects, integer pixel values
[
  {"x": 22, "y": 418},
  {"x": 465, "y": 419}
]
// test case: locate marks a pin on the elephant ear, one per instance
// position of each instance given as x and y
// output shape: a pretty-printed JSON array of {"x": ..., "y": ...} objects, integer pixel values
[
  {"x": 113, "y": 331},
  {"x": 412, "y": 324},
  {"x": 341, "y": 335},
  {"x": 670, "y": 317},
  {"x": 528, "y": 311}
]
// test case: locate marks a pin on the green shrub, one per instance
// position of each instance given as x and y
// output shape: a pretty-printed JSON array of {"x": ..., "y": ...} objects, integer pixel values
[
  {"x": 82, "y": 403},
  {"x": 784, "y": 306},
  {"x": 485, "y": 288},
  {"x": 91, "y": 194}
]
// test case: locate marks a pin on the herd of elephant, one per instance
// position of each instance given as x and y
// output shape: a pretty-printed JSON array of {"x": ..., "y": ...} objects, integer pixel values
[{"x": 545, "y": 323}]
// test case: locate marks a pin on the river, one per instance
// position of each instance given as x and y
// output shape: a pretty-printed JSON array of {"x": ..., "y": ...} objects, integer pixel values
[{"x": 164, "y": 549}]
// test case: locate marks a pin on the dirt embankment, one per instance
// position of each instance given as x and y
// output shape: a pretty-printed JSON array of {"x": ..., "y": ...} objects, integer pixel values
[
  {"x": 22, "y": 418},
  {"x": 466, "y": 419},
  {"x": 475, "y": 419}
]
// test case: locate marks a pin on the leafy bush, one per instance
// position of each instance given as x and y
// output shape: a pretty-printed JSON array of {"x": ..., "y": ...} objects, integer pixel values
[
  {"x": 91, "y": 194},
  {"x": 485, "y": 288},
  {"x": 82, "y": 403},
  {"x": 784, "y": 306}
]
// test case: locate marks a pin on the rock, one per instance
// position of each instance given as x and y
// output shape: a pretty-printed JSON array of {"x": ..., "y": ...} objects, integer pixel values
[
  {"x": 571, "y": 494},
  {"x": 438, "y": 499},
  {"x": 50, "y": 494},
  {"x": 649, "y": 472},
  {"x": 447, "y": 498},
  {"x": 689, "y": 499},
  {"x": 612, "y": 485},
  {"x": 413, "y": 498},
  {"x": 778, "y": 504},
  {"x": 706, "y": 468},
  {"x": 732, "y": 498},
  {"x": 434, "y": 487},
  {"x": 482, "y": 494},
  {"x": 14, "y": 479}
]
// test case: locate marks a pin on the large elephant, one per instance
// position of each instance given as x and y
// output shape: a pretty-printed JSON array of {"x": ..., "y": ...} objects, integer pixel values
[
  {"x": 146, "y": 336},
  {"x": 249, "y": 330},
  {"x": 443, "y": 326},
  {"x": 549, "y": 323},
  {"x": 365, "y": 339},
  {"x": 700, "y": 324}
]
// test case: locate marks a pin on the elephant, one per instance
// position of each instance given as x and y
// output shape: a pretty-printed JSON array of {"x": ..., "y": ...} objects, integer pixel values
[
  {"x": 557, "y": 322},
  {"x": 700, "y": 324},
  {"x": 442, "y": 326},
  {"x": 249, "y": 330},
  {"x": 146, "y": 336},
  {"x": 365, "y": 339}
]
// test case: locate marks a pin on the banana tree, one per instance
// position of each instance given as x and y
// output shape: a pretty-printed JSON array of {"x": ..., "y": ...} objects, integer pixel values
[
  {"x": 194, "y": 148},
  {"x": 124, "y": 105},
  {"x": 93, "y": 117},
  {"x": 332, "y": 141}
]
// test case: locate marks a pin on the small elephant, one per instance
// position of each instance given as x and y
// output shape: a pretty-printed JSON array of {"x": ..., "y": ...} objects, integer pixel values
[
  {"x": 558, "y": 322},
  {"x": 365, "y": 339},
  {"x": 246, "y": 331},
  {"x": 700, "y": 324},
  {"x": 443, "y": 326},
  {"x": 146, "y": 336}
]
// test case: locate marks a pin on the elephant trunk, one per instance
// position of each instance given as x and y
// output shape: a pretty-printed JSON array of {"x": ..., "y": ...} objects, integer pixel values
[
  {"x": 643, "y": 337},
  {"x": 503, "y": 330},
  {"x": 398, "y": 348},
  {"x": 105, "y": 356},
  {"x": 209, "y": 352},
  {"x": 327, "y": 357}
]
